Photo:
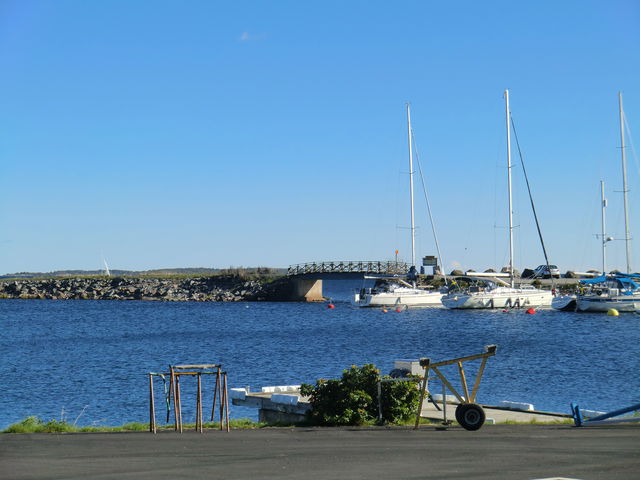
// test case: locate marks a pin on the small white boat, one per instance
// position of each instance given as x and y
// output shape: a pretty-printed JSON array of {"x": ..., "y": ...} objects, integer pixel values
[
  {"x": 397, "y": 292},
  {"x": 496, "y": 293}
]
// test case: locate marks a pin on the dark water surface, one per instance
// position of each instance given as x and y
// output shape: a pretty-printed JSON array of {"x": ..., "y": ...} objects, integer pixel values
[{"x": 85, "y": 361}]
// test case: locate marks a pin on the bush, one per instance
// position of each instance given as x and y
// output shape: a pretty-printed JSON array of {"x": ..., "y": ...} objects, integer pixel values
[{"x": 353, "y": 400}]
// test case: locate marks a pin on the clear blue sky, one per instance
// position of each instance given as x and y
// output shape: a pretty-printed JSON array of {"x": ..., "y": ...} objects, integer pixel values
[{"x": 216, "y": 134}]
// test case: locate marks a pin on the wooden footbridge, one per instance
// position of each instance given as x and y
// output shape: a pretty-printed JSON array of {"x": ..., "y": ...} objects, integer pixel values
[
  {"x": 347, "y": 269},
  {"x": 306, "y": 278}
]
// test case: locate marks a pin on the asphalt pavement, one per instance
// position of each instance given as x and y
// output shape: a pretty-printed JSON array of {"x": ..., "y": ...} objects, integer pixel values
[{"x": 493, "y": 452}]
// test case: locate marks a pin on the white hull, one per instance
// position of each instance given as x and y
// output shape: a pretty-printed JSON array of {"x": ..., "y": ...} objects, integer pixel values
[
  {"x": 412, "y": 297},
  {"x": 565, "y": 303},
  {"x": 597, "y": 303},
  {"x": 501, "y": 297}
]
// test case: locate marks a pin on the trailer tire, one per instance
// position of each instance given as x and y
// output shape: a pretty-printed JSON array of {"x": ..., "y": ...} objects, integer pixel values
[{"x": 470, "y": 416}]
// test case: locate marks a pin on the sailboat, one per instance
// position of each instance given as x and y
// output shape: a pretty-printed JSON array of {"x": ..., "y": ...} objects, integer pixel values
[
  {"x": 494, "y": 292},
  {"x": 615, "y": 290},
  {"x": 389, "y": 292}
]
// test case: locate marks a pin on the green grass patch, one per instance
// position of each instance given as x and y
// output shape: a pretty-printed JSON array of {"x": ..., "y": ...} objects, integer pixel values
[
  {"x": 533, "y": 421},
  {"x": 36, "y": 425}
]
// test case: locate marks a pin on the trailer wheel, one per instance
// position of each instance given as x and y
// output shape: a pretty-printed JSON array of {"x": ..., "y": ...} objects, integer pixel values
[{"x": 470, "y": 416}]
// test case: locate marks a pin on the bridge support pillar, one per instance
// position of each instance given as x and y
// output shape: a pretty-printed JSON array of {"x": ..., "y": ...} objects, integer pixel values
[{"x": 305, "y": 290}]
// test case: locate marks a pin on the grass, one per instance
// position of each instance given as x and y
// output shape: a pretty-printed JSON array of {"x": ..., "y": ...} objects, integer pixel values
[
  {"x": 533, "y": 421},
  {"x": 36, "y": 425}
]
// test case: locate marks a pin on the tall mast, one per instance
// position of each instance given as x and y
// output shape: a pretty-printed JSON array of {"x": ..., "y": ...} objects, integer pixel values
[
  {"x": 413, "y": 227},
  {"x": 604, "y": 234},
  {"x": 508, "y": 113},
  {"x": 625, "y": 190}
]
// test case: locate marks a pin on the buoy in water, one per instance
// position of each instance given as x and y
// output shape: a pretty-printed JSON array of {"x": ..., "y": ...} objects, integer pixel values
[
  {"x": 531, "y": 311},
  {"x": 331, "y": 305},
  {"x": 613, "y": 312},
  {"x": 384, "y": 310}
]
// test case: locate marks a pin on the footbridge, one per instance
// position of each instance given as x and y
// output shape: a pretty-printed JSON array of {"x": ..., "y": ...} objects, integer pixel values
[{"x": 306, "y": 278}]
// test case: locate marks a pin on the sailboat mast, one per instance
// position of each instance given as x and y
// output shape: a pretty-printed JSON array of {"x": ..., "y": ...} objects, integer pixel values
[
  {"x": 413, "y": 227},
  {"x": 508, "y": 113},
  {"x": 625, "y": 190},
  {"x": 604, "y": 237}
]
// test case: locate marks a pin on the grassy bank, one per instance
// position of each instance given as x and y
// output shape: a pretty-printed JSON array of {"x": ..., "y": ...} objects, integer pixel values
[{"x": 36, "y": 425}]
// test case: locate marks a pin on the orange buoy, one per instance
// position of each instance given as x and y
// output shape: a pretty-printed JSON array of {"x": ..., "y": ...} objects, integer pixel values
[
  {"x": 531, "y": 311},
  {"x": 384, "y": 310}
]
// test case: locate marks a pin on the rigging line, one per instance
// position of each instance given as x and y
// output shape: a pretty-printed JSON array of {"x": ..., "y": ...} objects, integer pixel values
[
  {"x": 633, "y": 148},
  {"x": 533, "y": 207},
  {"x": 426, "y": 198}
]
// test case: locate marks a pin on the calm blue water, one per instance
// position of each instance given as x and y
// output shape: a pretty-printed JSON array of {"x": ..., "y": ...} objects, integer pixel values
[{"x": 88, "y": 359}]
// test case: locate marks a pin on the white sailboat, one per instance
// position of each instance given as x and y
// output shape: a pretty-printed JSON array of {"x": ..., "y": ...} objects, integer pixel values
[
  {"x": 397, "y": 291},
  {"x": 496, "y": 293},
  {"x": 613, "y": 291}
]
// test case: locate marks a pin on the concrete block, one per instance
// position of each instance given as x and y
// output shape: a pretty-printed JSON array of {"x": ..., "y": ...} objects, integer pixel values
[
  {"x": 517, "y": 405},
  {"x": 412, "y": 366},
  {"x": 449, "y": 398},
  {"x": 284, "y": 399},
  {"x": 281, "y": 388},
  {"x": 238, "y": 393}
]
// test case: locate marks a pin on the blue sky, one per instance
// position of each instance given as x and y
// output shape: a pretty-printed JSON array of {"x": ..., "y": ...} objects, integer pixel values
[{"x": 216, "y": 134}]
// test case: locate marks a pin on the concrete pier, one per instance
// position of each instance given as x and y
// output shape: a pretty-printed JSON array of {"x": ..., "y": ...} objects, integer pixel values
[
  {"x": 307, "y": 290},
  {"x": 290, "y": 406}
]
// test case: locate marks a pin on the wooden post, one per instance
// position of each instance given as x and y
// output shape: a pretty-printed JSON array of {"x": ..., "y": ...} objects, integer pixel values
[
  {"x": 175, "y": 398},
  {"x": 478, "y": 378},
  {"x": 215, "y": 394},
  {"x": 424, "y": 362},
  {"x": 199, "y": 405},
  {"x": 463, "y": 380},
  {"x": 226, "y": 401},
  {"x": 152, "y": 407},
  {"x": 178, "y": 402}
]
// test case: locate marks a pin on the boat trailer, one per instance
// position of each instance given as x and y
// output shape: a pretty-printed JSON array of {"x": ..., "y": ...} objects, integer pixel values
[
  {"x": 469, "y": 415},
  {"x": 606, "y": 418}
]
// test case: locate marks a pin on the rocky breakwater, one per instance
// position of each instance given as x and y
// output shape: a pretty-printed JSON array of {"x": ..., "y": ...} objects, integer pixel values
[{"x": 229, "y": 288}]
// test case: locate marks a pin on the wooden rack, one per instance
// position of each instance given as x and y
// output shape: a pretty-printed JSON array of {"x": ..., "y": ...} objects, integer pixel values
[{"x": 220, "y": 394}]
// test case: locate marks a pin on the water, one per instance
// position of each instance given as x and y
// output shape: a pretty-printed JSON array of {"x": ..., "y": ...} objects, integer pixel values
[{"x": 86, "y": 361}]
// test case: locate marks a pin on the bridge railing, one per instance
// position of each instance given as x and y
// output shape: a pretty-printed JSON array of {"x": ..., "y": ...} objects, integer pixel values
[{"x": 389, "y": 267}]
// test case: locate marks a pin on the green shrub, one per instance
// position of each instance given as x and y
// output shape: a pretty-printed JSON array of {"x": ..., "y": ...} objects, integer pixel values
[{"x": 353, "y": 400}]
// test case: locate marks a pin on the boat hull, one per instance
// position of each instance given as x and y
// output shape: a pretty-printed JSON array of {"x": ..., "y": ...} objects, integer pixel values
[
  {"x": 595, "y": 303},
  {"x": 505, "y": 298},
  {"x": 416, "y": 298},
  {"x": 565, "y": 303}
]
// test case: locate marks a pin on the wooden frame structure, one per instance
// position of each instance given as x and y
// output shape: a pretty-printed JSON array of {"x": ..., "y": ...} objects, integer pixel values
[
  {"x": 220, "y": 394},
  {"x": 468, "y": 398}
]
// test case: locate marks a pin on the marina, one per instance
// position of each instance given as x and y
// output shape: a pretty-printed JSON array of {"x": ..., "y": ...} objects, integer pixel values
[{"x": 77, "y": 360}]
